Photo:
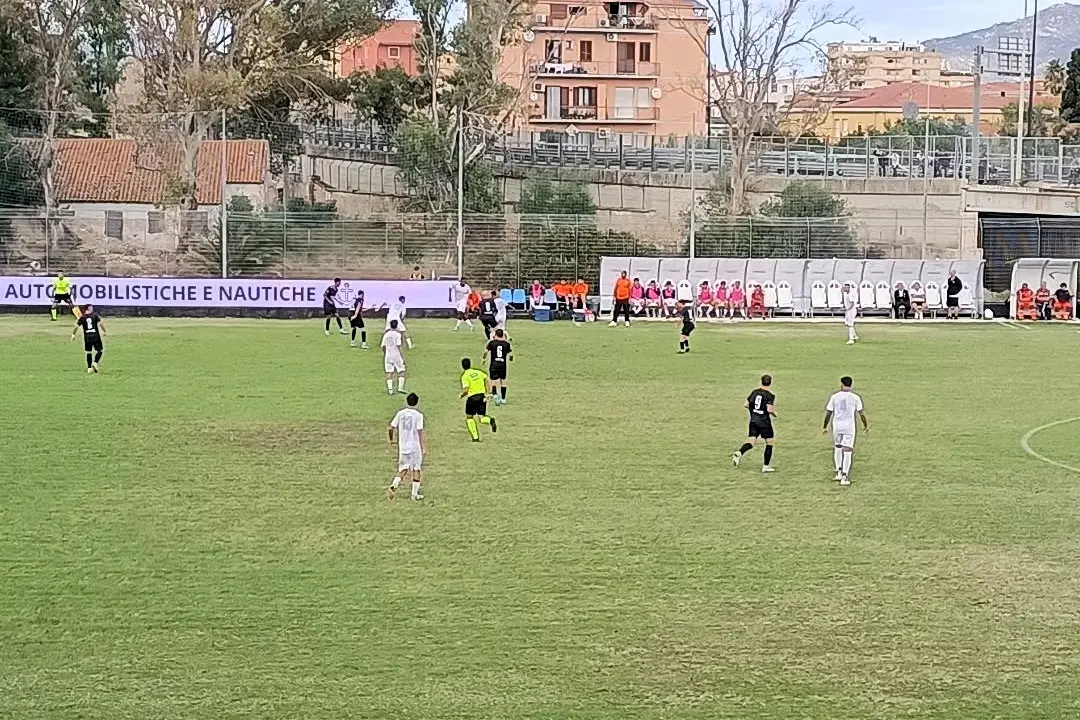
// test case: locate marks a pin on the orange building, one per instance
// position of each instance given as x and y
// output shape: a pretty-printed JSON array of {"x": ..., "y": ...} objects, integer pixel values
[
  {"x": 863, "y": 111},
  {"x": 605, "y": 69},
  {"x": 391, "y": 46}
]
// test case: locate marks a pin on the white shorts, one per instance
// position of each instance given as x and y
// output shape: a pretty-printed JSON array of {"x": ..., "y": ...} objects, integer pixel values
[
  {"x": 849, "y": 318},
  {"x": 500, "y": 321},
  {"x": 410, "y": 460},
  {"x": 669, "y": 302},
  {"x": 394, "y": 365},
  {"x": 844, "y": 439},
  {"x": 463, "y": 306}
]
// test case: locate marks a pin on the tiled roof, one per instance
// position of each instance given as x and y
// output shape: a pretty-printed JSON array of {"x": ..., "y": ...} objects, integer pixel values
[
  {"x": 123, "y": 171},
  {"x": 994, "y": 96}
]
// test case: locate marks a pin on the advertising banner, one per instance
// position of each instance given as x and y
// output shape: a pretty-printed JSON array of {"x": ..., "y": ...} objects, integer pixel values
[{"x": 232, "y": 293}]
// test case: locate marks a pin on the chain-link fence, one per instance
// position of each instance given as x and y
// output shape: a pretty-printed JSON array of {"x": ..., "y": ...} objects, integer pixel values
[{"x": 507, "y": 250}]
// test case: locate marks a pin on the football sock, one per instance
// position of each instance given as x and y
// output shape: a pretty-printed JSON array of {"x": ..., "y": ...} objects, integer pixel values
[
  {"x": 390, "y": 384},
  {"x": 416, "y": 488},
  {"x": 408, "y": 342},
  {"x": 851, "y": 333},
  {"x": 338, "y": 323},
  {"x": 53, "y": 313},
  {"x": 838, "y": 458},
  {"x": 97, "y": 356},
  {"x": 327, "y": 324},
  {"x": 395, "y": 482},
  {"x": 768, "y": 455},
  {"x": 89, "y": 359},
  {"x": 354, "y": 334},
  {"x": 363, "y": 336},
  {"x": 469, "y": 323},
  {"x": 847, "y": 461},
  {"x": 746, "y": 447},
  {"x": 485, "y": 420},
  {"x": 401, "y": 383},
  {"x": 474, "y": 432},
  {"x": 502, "y": 391}
]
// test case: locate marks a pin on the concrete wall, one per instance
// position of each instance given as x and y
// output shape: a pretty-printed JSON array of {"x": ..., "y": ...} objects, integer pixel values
[{"x": 887, "y": 212}]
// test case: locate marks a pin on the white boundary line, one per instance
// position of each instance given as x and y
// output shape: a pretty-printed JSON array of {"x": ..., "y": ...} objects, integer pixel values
[
  {"x": 1014, "y": 324},
  {"x": 1025, "y": 443}
]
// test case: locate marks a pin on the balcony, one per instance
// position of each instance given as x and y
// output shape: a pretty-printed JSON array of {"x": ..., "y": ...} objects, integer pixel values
[
  {"x": 603, "y": 23},
  {"x": 593, "y": 114},
  {"x": 598, "y": 68}
]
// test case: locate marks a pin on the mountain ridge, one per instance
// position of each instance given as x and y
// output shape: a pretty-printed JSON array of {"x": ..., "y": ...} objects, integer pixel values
[{"x": 1058, "y": 35}]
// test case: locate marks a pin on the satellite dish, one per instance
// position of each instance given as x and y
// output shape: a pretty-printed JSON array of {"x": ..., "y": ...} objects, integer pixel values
[{"x": 528, "y": 36}]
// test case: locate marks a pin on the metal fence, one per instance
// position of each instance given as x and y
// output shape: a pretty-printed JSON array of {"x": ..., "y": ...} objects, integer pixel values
[
  {"x": 506, "y": 250},
  {"x": 899, "y": 156}
]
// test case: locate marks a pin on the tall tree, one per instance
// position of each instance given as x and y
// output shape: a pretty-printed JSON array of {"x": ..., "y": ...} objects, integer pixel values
[
  {"x": 102, "y": 43},
  {"x": 18, "y": 70},
  {"x": 1054, "y": 77},
  {"x": 1070, "y": 94},
  {"x": 388, "y": 96},
  {"x": 759, "y": 43},
  {"x": 202, "y": 58}
]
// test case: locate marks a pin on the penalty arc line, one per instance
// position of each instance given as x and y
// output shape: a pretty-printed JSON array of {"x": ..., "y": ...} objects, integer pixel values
[{"x": 1025, "y": 443}]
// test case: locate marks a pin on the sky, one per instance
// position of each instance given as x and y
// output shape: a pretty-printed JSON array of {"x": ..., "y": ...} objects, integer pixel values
[{"x": 918, "y": 20}]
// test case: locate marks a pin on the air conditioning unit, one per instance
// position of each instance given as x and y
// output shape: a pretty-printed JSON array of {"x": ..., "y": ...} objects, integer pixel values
[
  {"x": 538, "y": 87},
  {"x": 603, "y": 133},
  {"x": 613, "y": 37},
  {"x": 541, "y": 19},
  {"x": 604, "y": 22}
]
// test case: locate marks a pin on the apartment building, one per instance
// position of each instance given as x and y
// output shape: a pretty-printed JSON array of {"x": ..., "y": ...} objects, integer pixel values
[
  {"x": 390, "y": 46},
  {"x": 872, "y": 64},
  {"x": 602, "y": 70}
]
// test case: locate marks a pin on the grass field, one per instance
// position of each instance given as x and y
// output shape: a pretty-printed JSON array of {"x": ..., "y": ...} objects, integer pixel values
[{"x": 201, "y": 531}]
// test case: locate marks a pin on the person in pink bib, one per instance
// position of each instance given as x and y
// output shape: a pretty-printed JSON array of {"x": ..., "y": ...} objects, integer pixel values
[
  {"x": 720, "y": 299},
  {"x": 737, "y": 299},
  {"x": 637, "y": 298},
  {"x": 652, "y": 299},
  {"x": 536, "y": 293},
  {"x": 704, "y": 298}
]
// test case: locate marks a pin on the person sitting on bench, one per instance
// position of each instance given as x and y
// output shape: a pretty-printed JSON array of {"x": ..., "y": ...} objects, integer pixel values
[{"x": 901, "y": 302}]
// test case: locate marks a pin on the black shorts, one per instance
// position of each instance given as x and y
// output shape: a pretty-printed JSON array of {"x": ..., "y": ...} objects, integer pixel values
[
  {"x": 497, "y": 371},
  {"x": 62, "y": 298},
  {"x": 92, "y": 343},
  {"x": 488, "y": 321},
  {"x": 329, "y": 309},
  {"x": 952, "y": 301},
  {"x": 462, "y": 315},
  {"x": 687, "y": 328},
  {"x": 476, "y": 405},
  {"x": 357, "y": 322},
  {"x": 765, "y": 432}
]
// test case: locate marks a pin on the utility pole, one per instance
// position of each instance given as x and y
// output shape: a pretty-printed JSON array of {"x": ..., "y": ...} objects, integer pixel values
[{"x": 1009, "y": 60}]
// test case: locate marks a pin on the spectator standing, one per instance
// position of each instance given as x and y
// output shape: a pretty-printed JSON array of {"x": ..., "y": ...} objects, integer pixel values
[
  {"x": 901, "y": 302},
  {"x": 952, "y": 295},
  {"x": 416, "y": 273},
  {"x": 622, "y": 301},
  {"x": 918, "y": 299},
  {"x": 1042, "y": 301}
]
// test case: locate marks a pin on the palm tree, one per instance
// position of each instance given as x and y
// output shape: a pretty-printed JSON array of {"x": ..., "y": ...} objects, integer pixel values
[{"x": 1054, "y": 77}]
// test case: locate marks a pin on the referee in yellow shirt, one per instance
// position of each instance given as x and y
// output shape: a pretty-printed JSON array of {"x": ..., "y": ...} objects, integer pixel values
[
  {"x": 474, "y": 387},
  {"x": 61, "y": 293}
]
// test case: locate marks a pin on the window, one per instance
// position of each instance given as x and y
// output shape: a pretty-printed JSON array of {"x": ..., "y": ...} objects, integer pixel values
[
  {"x": 624, "y": 104},
  {"x": 644, "y": 97},
  {"x": 155, "y": 221},
  {"x": 585, "y": 97},
  {"x": 393, "y": 51},
  {"x": 577, "y": 10},
  {"x": 914, "y": 72},
  {"x": 585, "y": 51},
  {"x": 114, "y": 224},
  {"x": 553, "y": 51},
  {"x": 624, "y": 63},
  {"x": 558, "y": 12},
  {"x": 645, "y": 52}
]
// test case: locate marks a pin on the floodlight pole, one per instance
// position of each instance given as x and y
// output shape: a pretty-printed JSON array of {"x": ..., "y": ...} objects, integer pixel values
[
  {"x": 976, "y": 102},
  {"x": 461, "y": 193}
]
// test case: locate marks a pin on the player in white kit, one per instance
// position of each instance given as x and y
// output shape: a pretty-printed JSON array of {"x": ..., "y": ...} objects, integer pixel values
[
  {"x": 851, "y": 309},
  {"x": 461, "y": 304},
  {"x": 408, "y": 426},
  {"x": 393, "y": 360},
  {"x": 396, "y": 311},
  {"x": 500, "y": 314},
  {"x": 841, "y": 411}
]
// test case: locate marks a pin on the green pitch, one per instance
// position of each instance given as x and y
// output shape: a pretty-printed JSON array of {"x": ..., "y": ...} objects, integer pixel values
[{"x": 201, "y": 531}]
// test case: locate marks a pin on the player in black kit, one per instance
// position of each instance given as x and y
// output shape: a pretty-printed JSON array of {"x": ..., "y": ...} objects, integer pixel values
[
  {"x": 93, "y": 330},
  {"x": 329, "y": 306},
  {"x": 499, "y": 350},
  {"x": 760, "y": 404},
  {"x": 356, "y": 320},
  {"x": 687, "y": 311},
  {"x": 488, "y": 311}
]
